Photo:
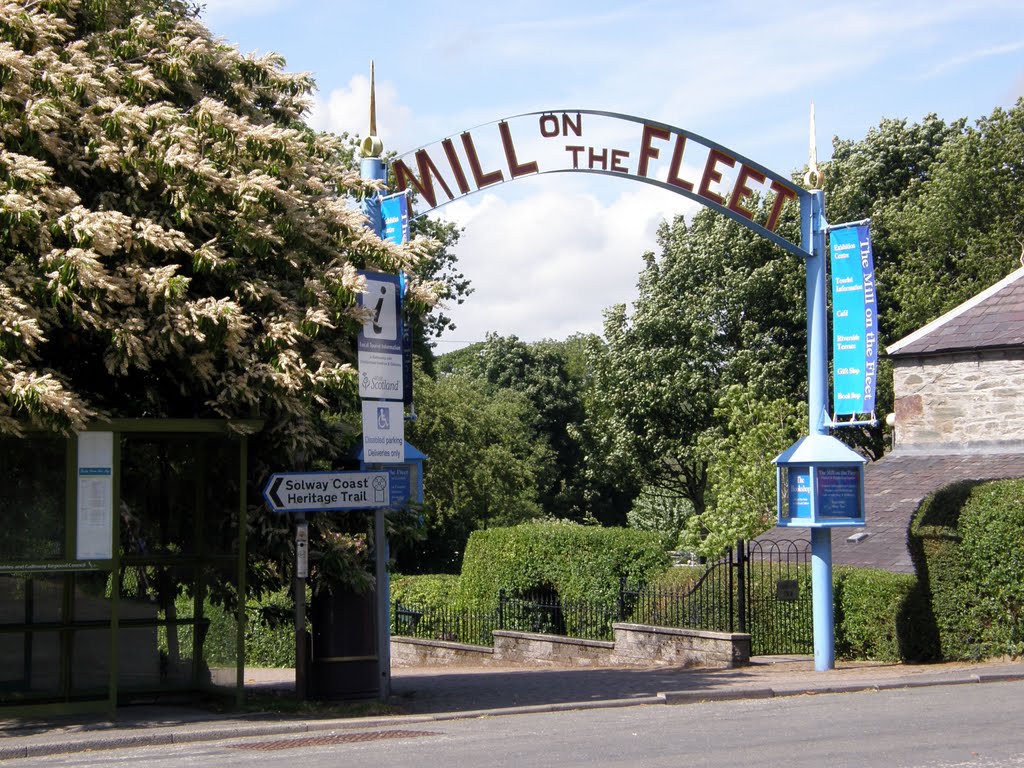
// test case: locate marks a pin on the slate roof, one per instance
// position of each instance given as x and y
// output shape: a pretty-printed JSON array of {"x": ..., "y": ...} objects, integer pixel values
[
  {"x": 993, "y": 319},
  {"x": 894, "y": 487}
]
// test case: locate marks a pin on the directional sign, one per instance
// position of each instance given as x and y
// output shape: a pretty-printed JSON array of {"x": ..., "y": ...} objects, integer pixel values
[{"x": 326, "y": 491}]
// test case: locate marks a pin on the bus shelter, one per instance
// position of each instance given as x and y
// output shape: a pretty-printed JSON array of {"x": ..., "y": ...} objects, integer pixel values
[{"x": 122, "y": 564}]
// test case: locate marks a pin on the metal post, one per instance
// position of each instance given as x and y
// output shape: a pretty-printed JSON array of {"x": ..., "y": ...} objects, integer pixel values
[
  {"x": 817, "y": 326},
  {"x": 622, "y": 598},
  {"x": 380, "y": 545},
  {"x": 301, "y": 563},
  {"x": 741, "y": 585},
  {"x": 814, "y": 225},
  {"x": 373, "y": 168},
  {"x": 243, "y": 555},
  {"x": 821, "y": 596}
]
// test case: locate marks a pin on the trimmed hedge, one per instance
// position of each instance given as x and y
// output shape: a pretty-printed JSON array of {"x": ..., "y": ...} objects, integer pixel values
[
  {"x": 435, "y": 591},
  {"x": 967, "y": 541},
  {"x": 579, "y": 562},
  {"x": 877, "y": 614}
]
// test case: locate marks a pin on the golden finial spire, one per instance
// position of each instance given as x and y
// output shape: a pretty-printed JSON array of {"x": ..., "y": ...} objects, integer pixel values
[
  {"x": 371, "y": 145},
  {"x": 814, "y": 178}
]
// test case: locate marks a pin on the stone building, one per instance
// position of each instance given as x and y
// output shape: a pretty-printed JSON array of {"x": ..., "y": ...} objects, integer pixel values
[
  {"x": 958, "y": 381},
  {"x": 959, "y": 415}
]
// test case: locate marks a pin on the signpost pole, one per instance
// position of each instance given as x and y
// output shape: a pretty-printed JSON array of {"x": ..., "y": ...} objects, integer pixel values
[
  {"x": 380, "y": 545},
  {"x": 372, "y": 167},
  {"x": 821, "y": 599},
  {"x": 301, "y": 565},
  {"x": 813, "y": 226}
]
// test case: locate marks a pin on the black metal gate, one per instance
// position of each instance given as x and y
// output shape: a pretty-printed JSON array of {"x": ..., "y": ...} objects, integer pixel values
[{"x": 774, "y": 596}]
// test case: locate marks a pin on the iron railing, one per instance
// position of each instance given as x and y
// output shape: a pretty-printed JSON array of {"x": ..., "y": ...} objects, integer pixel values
[
  {"x": 760, "y": 587},
  {"x": 708, "y": 604},
  {"x": 777, "y": 593}
]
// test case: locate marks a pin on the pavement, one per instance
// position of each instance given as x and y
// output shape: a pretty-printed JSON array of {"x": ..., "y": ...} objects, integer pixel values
[{"x": 430, "y": 694}]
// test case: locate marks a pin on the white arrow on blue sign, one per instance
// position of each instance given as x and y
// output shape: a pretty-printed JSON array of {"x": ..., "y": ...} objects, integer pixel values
[{"x": 326, "y": 491}]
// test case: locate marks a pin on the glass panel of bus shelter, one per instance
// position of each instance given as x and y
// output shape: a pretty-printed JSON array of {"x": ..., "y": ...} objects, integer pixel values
[
  {"x": 159, "y": 481},
  {"x": 220, "y": 625},
  {"x": 32, "y": 501},
  {"x": 29, "y": 657},
  {"x": 220, "y": 519},
  {"x": 156, "y": 614},
  {"x": 90, "y": 660}
]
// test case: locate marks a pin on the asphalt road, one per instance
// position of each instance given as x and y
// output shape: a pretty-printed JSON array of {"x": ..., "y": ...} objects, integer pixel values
[{"x": 934, "y": 727}]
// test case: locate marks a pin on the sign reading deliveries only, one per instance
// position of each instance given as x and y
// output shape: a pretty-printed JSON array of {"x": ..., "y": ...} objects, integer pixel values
[{"x": 326, "y": 491}]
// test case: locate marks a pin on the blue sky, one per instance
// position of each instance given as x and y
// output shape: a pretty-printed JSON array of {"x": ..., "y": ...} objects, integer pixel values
[{"x": 548, "y": 254}]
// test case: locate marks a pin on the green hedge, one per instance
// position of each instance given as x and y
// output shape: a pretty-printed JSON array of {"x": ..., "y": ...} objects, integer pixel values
[
  {"x": 877, "y": 615},
  {"x": 269, "y": 632},
  {"x": 434, "y": 591},
  {"x": 967, "y": 541},
  {"x": 579, "y": 562}
]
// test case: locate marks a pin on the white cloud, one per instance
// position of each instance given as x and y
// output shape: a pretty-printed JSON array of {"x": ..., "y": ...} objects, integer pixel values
[
  {"x": 547, "y": 265},
  {"x": 348, "y": 110},
  {"x": 956, "y": 62}
]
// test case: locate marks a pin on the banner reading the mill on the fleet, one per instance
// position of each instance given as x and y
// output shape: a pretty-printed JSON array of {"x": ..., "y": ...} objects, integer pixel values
[{"x": 854, "y": 321}]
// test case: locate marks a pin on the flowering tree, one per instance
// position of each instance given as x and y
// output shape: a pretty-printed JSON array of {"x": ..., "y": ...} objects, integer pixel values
[{"x": 176, "y": 242}]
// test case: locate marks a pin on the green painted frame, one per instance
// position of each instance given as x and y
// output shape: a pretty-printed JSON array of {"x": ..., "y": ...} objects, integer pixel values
[{"x": 239, "y": 429}]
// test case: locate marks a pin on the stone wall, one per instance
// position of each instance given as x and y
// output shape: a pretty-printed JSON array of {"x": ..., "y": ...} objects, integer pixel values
[
  {"x": 959, "y": 399},
  {"x": 637, "y": 643},
  {"x": 415, "y": 652},
  {"x": 634, "y": 645},
  {"x": 531, "y": 648}
]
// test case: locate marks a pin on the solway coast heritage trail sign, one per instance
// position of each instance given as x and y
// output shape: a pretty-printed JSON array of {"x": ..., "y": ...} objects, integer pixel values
[{"x": 613, "y": 144}]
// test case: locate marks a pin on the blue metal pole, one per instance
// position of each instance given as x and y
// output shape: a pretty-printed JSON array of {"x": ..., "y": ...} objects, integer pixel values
[
  {"x": 813, "y": 231},
  {"x": 822, "y": 604},
  {"x": 373, "y": 168},
  {"x": 817, "y": 327}
]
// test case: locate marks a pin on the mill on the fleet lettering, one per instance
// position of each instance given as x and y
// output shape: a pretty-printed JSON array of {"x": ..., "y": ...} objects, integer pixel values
[{"x": 587, "y": 141}]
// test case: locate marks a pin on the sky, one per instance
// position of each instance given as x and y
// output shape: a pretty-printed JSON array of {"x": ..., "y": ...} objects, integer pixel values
[{"x": 547, "y": 255}]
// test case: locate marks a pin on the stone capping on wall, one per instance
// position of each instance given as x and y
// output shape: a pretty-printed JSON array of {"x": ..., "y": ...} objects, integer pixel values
[
  {"x": 641, "y": 643},
  {"x": 416, "y": 652},
  {"x": 634, "y": 645},
  {"x": 557, "y": 650}
]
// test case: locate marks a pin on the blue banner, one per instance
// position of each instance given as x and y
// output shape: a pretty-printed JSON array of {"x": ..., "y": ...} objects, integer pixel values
[
  {"x": 854, "y": 321},
  {"x": 394, "y": 210}
]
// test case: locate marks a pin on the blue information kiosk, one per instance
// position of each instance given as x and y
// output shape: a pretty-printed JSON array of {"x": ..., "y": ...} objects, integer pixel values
[{"x": 820, "y": 485}]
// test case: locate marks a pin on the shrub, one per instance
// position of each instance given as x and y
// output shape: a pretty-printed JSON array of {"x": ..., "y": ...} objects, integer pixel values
[
  {"x": 269, "y": 631},
  {"x": 681, "y": 577},
  {"x": 992, "y": 549},
  {"x": 876, "y": 613},
  {"x": 967, "y": 541},
  {"x": 434, "y": 591},
  {"x": 578, "y": 562}
]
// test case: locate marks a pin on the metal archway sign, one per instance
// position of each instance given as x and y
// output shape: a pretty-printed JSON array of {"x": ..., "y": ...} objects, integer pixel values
[
  {"x": 607, "y": 143},
  {"x": 613, "y": 144}
]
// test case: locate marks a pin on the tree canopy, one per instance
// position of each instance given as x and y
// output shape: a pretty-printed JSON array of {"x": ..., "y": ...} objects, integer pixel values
[
  {"x": 175, "y": 240},
  {"x": 482, "y": 470},
  {"x": 718, "y": 307},
  {"x": 945, "y": 201}
]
